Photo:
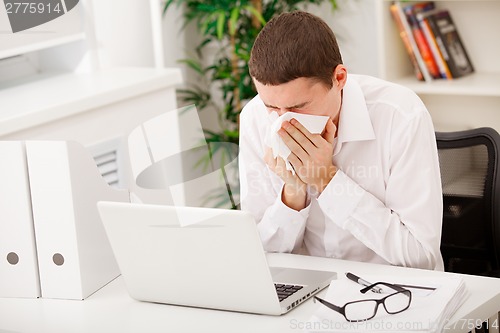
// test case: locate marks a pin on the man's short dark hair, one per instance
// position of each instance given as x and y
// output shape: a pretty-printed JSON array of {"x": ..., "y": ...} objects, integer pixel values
[{"x": 294, "y": 45}]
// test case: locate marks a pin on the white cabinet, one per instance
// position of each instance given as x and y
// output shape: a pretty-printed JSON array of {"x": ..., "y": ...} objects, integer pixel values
[
  {"x": 96, "y": 109},
  {"x": 90, "y": 76},
  {"x": 467, "y": 102}
]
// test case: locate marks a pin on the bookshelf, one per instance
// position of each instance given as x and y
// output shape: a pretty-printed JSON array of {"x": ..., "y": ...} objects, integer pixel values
[{"x": 462, "y": 103}]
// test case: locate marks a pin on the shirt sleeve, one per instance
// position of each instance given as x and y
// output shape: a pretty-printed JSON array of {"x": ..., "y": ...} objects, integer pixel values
[
  {"x": 404, "y": 228},
  {"x": 281, "y": 228}
]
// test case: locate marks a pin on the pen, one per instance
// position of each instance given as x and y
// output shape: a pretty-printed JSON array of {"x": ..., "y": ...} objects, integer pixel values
[
  {"x": 362, "y": 282},
  {"x": 414, "y": 287}
]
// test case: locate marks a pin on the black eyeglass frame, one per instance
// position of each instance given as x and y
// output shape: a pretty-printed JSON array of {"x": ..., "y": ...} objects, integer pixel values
[{"x": 341, "y": 310}]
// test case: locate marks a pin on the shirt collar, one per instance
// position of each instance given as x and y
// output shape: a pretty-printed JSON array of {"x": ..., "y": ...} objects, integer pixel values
[{"x": 354, "y": 121}]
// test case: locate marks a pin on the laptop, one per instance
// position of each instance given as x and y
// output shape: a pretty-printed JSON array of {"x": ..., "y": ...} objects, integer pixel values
[{"x": 202, "y": 257}]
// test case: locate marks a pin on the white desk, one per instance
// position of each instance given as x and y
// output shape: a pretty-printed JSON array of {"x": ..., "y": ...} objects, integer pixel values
[{"x": 112, "y": 310}]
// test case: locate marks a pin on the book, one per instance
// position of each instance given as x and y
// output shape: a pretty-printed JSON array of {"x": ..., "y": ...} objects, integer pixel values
[
  {"x": 420, "y": 69},
  {"x": 450, "y": 44},
  {"x": 431, "y": 39},
  {"x": 420, "y": 39}
]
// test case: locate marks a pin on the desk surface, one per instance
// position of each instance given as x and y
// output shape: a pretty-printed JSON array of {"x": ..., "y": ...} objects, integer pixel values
[{"x": 110, "y": 309}]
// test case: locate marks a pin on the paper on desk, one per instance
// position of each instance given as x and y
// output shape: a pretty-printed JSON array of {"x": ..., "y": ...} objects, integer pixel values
[
  {"x": 428, "y": 312},
  {"x": 314, "y": 124}
]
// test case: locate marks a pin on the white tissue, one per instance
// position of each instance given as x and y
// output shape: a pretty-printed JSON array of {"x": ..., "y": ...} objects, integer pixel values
[{"x": 314, "y": 124}]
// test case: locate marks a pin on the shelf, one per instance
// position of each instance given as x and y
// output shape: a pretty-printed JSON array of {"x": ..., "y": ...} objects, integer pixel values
[
  {"x": 46, "y": 98},
  {"x": 463, "y": 103},
  {"x": 69, "y": 27},
  {"x": 476, "y": 84},
  {"x": 41, "y": 45}
]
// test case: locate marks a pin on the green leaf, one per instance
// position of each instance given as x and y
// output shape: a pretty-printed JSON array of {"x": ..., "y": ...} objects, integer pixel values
[
  {"x": 205, "y": 22},
  {"x": 221, "y": 20},
  {"x": 233, "y": 20},
  {"x": 232, "y": 134},
  {"x": 200, "y": 47},
  {"x": 167, "y": 4},
  {"x": 256, "y": 13},
  {"x": 193, "y": 64},
  {"x": 203, "y": 163}
]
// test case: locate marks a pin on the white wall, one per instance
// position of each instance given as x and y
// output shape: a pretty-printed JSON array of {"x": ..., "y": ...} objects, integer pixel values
[
  {"x": 123, "y": 33},
  {"x": 354, "y": 26},
  {"x": 179, "y": 43}
]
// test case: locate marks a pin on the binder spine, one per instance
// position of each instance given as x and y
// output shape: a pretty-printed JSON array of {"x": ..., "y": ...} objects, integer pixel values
[
  {"x": 74, "y": 254},
  {"x": 18, "y": 258},
  {"x": 54, "y": 220}
]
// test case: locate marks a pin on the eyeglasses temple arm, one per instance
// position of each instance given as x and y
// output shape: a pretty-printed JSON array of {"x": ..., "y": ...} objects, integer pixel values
[{"x": 328, "y": 304}]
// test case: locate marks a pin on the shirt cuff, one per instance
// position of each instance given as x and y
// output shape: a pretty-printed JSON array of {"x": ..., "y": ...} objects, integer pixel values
[
  {"x": 282, "y": 226},
  {"x": 340, "y": 198}
]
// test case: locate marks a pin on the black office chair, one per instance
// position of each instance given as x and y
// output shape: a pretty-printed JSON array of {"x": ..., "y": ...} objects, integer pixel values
[{"x": 469, "y": 162}]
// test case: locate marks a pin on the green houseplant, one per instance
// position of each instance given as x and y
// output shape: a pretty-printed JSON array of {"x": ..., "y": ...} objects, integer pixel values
[{"x": 230, "y": 27}]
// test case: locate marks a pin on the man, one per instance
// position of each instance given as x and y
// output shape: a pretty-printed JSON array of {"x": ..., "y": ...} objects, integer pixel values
[{"x": 368, "y": 188}]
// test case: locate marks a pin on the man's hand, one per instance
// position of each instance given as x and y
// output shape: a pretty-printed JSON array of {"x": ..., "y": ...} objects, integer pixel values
[
  {"x": 311, "y": 154},
  {"x": 295, "y": 190}
]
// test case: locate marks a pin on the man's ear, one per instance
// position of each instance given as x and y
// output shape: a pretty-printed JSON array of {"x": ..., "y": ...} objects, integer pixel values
[{"x": 339, "y": 76}]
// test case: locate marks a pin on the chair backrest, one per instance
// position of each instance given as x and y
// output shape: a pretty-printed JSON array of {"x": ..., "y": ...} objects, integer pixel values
[{"x": 469, "y": 162}]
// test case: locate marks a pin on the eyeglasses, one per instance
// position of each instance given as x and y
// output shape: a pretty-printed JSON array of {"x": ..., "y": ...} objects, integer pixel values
[{"x": 367, "y": 309}]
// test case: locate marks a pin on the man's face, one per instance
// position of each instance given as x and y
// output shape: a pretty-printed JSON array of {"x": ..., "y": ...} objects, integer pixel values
[{"x": 302, "y": 95}]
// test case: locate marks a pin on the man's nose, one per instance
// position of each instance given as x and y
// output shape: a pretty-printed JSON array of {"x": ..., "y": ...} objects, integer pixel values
[{"x": 281, "y": 112}]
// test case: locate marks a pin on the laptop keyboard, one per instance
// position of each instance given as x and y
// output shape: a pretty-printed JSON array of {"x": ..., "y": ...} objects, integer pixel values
[{"x": 285, "y": 290}]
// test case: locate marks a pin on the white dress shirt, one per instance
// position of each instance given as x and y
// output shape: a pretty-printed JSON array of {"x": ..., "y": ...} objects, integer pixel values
[{"x": 384, "y": 204}]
